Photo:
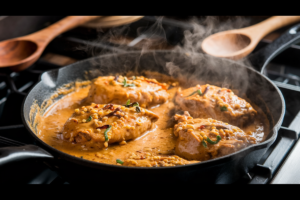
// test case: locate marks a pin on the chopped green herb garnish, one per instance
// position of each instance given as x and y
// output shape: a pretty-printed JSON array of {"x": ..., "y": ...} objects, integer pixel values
[
  {"x": 214, "y": 142},
  {"x": 119, "y": 161},
  {"x": 137, "y": 109},
  {"x": 198, "y": 91},
  {"x": 129, "y": 85},
  {"x": 204, "y": 144},
  {"x": 127, "y": 103},
  {"x": 125, "y": 83},
  {"x": 223, "y": 108},
  {"x": 89, "y": 119},
  {"x": 105, "y": 132},
  {"x": 136, "y": 104},
  {"x": 192, "y": 94}
]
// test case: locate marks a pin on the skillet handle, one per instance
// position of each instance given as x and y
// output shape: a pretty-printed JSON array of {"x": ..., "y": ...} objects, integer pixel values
[
  {"x": 262, "y": 57},
  {"x": 14, "y": 154}
]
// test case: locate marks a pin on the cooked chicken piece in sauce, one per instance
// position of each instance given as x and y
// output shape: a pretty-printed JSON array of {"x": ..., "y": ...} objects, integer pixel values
[
  {"x": 99, "y": 124},
  {"x": 117, "y": 89},
  {"x": 146, "y": 159},
  {"x": 208, "y": 101},
  {"x": 204, "y": 139}
]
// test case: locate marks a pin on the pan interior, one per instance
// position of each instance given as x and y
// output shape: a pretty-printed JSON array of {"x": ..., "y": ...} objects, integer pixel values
[{"x": 187, "y": 69}]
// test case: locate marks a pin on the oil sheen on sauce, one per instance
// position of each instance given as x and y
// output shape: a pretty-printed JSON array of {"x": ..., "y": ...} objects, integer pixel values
[{"x": 159, "y": 140}]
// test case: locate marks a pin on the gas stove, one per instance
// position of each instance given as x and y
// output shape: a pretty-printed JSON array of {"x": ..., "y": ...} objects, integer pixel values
[{"x": 279, "y": 163}]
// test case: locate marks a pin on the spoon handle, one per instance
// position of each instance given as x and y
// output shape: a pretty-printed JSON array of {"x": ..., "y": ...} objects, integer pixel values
[
  {"x": 45, "y": 35},
  {"x": 258, "y": 31}
]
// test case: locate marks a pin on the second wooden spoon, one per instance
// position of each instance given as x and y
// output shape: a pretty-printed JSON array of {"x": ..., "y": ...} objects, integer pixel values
[{"x": 238, "y": 43}]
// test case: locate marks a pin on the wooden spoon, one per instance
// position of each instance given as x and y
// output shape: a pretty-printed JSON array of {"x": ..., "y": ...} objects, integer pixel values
[
  {"x": 238, "y": 43},
  {"x": 110, "y": 21},
  {"x": 20, "y": 53}
]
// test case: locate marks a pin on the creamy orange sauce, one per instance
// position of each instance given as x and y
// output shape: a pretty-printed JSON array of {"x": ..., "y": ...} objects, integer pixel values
[{"x": 160, "y": 140}]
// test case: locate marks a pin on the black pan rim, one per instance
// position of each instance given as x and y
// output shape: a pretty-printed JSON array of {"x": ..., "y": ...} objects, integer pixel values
[{"x": 219, "y": 160}]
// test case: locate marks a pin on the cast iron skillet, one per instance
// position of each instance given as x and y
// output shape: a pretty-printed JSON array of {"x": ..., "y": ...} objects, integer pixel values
[{"x": 197, "y": 67}]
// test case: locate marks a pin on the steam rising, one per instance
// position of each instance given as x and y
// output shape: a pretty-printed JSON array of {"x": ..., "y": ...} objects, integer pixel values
[
  {"x": 154, "y": 37},
  {"x": 206, "y": 27}
]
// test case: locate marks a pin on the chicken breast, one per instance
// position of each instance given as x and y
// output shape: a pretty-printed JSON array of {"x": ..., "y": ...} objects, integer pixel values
[
  {"x": 204, "y": 139},
  {"x": 116, "y": 90},
  {"x": 100, "y": 124},
  {"x": 208, "y": 101}
]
